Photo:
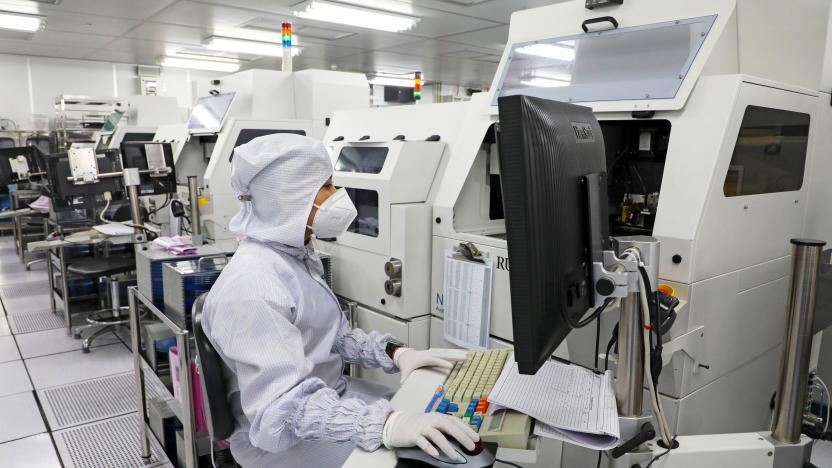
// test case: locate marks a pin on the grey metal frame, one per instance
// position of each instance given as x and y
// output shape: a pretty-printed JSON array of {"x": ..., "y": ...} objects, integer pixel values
[{"x": 184, "y": 410}]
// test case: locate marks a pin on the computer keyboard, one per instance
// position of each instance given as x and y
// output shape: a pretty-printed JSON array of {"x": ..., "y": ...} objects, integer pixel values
[{"x": 465, "y": 394}]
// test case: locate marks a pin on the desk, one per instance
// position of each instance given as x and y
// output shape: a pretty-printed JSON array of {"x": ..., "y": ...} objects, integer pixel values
[
  {"x": 55, "y": 248},
  {"x": 414, "y": 396},
  {"x": 19, "y": 199}
]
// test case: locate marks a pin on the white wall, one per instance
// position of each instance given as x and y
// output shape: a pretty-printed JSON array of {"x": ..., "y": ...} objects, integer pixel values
[{"x": 29, "y": 85}]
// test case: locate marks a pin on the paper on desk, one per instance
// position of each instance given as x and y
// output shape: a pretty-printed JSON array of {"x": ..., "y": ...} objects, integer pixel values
[
  {"x": 467, "y": 301},
  {"x": 570, "y": 403}
]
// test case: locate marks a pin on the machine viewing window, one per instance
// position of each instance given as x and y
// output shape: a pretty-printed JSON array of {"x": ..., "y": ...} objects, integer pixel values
[
  {"x": 629, "y": 63},
  {"x": 210, "y": 112},
  {"x": 770, "y": 154},
  {"x": 366, "y": 202},
  {"x": 362, "y": 159}
]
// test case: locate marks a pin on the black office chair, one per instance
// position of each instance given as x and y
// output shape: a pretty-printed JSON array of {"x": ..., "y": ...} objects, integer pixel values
[
  {"x": 214, "y": 391},
  {"x": 6, "y": 142},
  {"x": 112, "y": 271}
]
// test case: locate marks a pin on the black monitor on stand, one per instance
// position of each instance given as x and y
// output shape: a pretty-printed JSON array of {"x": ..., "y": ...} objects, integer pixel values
[
  {"x": 145, "y": 156},
  {"x": 71, "y": 196},
  {"x": 553, "y": 173}
]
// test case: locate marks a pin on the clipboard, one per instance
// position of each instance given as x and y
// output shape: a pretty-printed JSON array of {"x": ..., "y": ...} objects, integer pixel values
[{"x": 467, "y": 296}]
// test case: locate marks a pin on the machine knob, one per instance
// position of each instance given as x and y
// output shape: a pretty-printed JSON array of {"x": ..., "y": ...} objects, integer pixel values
[
  {"x": 393, "y": 268},
  {"x": 393, "y": 287},
  {"x": 605, "y": 287}
]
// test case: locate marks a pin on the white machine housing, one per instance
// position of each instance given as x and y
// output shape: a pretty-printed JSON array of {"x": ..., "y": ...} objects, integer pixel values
[
  {"x": 266, "y": 102},
  {"x": 394, "y": 205},
  {"x": 144, "y": 114},
  {"x": 732, "y": 277}
]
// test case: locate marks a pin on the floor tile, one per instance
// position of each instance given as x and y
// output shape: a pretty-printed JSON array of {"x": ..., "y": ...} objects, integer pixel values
[
  {"x": 13, "y": 379},
  {"x": 8, "y": 349},
  {"x": 4, "y": 327},
  {"x": 74, "y": 366},
  {"x": 109, "y": 443},
  {"x": 27, "y": 304},
  {"x": 23, "y": 276},
  {"x": 55, "y": 341},
  {"x": 31, "y": 452},
  {"x": 28, "y": 322},
  {"x": 23, "y": 410}
]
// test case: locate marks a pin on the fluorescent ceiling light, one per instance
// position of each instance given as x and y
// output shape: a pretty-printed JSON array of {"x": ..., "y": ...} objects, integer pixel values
[
  {"x": 389, "y": 81},
  {"x": 551, "y": 51},
  {"x": 244, "y": 46},
  {"x": 210, "y": 65},
  {"x": 210, "y": 58},
  {"x": 21, "y": 21},
  {"x": 321, "y": 10},
  {"x": 538, "y": 82}
]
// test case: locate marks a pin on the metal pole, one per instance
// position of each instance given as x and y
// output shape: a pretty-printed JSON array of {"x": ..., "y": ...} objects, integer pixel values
[
  {"x": 196, "y": 223},
  {"x": 629, "y": 383},
  {"x": 65, "y": 291},
  {"x": 135, "y": 340},
  {"x": 50, "y": 274},
  {"x": 797, "y": 346},
  {"x": 185, "y": 389},
  {"x": 132, "y": 180}
]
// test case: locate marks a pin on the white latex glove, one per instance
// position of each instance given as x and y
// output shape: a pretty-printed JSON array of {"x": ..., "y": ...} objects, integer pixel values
[
  {"x": 426, "y": 430},
  {"x": 409, "y": 359}
]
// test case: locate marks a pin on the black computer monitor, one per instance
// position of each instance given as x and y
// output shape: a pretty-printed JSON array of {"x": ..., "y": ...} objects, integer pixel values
[
  {"x": 552, "y": 167},
  {"x": 68, "y": 196},
  {"x": 134, "y": 154},
  {"x": 34, "y": 164}
]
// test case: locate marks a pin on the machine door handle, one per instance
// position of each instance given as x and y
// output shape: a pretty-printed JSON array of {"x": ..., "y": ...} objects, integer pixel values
[{"x": 600, "y": 19}]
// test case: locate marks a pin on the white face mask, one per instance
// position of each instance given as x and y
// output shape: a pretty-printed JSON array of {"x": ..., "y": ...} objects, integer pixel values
[{"x": 334, "y": 215}]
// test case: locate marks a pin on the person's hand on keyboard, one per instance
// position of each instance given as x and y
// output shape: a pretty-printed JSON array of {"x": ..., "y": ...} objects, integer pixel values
[
  {"x": 428, "y": 431},
  {"x": 409, "y": 359}
]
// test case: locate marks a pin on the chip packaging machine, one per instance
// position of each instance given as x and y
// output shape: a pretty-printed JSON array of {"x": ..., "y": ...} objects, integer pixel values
[
  {"x": 240, "y": 107},
  {"x": 713, "y": 148}
]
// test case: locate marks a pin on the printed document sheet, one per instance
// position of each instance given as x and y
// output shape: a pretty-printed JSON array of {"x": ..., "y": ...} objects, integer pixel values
[
  {"x": 570, "y": 403},
  {"x": 467, "y": 301}
]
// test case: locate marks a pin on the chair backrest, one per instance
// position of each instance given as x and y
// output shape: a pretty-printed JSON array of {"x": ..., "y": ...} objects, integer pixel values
[
  {"x": 6, "y": 142},
  {"x": 214, "y": 393}
]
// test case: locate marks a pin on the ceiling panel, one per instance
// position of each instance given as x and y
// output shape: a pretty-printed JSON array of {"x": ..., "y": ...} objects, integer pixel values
[
  {"x": 143, "y": 48},
  {"x": 169, "y": 33},
  {"x": 492, "y": 38},
  {"x": 452, "y": 43},
  {"x": 42, "y": 50},
  {"x": 368, "y": 39},
  {"x": 432, "y": 22},
  {"x": 441, "y": 49},
  {"x": 206, "y": 15},
  {"x": 130, "y": 9},
  {"x": 122, "y": 56},
  {"x": 494, "y": 10},
  {"x": 464, "y": 72},
  {"x": 89, "y": 41},
  {"x": 88, "y": 24}
]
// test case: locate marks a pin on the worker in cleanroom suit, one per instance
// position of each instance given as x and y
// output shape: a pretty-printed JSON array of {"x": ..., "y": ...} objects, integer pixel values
[{"x": 281, "y": 332}]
